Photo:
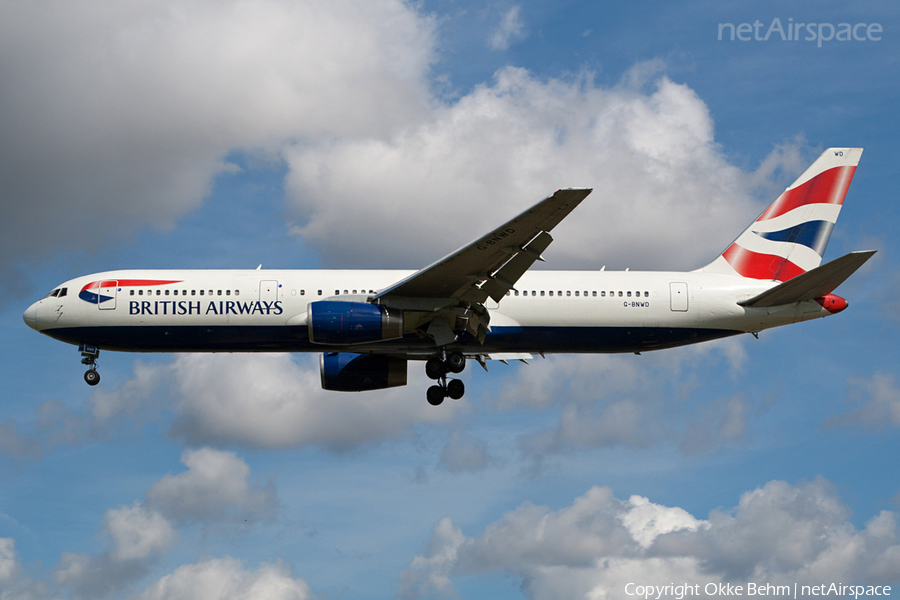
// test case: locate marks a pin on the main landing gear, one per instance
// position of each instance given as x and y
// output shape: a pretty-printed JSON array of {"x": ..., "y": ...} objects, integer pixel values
[
  {"x": 90, "y": 354},
  {"x": 437, "y": 368}
]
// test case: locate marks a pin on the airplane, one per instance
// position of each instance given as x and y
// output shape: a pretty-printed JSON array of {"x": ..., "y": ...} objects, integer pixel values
[{"x": 480, "y": 302}]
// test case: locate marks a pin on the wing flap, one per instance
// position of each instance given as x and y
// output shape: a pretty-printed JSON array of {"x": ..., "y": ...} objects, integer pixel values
[
  {"x": 815, "y": 283},
  {"x": 505, "y": 278}
]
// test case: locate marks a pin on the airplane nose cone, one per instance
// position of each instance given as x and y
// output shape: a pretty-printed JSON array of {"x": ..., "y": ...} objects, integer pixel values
[{"x": 30, "y": 316}]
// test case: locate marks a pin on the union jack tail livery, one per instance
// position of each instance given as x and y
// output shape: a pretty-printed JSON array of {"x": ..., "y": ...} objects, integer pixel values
[{"x": 789, "y": 238}]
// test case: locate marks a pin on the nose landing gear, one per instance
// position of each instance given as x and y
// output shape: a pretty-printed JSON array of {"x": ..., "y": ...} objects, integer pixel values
[
  {"x": 437, "y": 368},
  {"x": 89, "y": 357}
]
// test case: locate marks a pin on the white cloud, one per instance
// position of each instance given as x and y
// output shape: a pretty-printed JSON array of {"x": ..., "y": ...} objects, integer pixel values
[
  {"x": 660, "y": 181},
  {"x": 215, "y": 488},
  {"x": 646, "y": 521},
  {"x": 510, "y": 28},
  {"x": 117, "y": 115},
  {"x": 137, "y": 533},
  {"x": 14, "y": 585},
  {"x": 9, "y": 561},
  {"x": 431, "y": 573},
  {"x": 274, "y": 401},
  {"x": 137, "y": 536},
  {"x": 777, "y": 533},
  {"x": 227, "y": 579}
]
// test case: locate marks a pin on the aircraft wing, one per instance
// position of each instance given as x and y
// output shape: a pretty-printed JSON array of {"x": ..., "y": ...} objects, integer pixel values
[
  {"x": 815, "y": 283},
  {"x": 489, "y": 266}
]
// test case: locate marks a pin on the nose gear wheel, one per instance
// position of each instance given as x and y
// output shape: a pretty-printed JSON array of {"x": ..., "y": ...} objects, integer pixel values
[{"x": 90, "y": 354}]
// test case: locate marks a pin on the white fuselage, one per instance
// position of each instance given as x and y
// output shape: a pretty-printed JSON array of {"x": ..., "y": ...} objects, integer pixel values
[{"x": 551, "y": 311}]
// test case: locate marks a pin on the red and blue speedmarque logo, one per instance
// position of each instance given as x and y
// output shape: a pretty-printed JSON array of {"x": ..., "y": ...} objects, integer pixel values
[{"x": 91, "y": 292}]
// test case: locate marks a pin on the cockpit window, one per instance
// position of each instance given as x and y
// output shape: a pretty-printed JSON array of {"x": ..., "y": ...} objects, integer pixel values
[
  {"x": 62, "y": 292},
  {"x": 53, "y": 294}
]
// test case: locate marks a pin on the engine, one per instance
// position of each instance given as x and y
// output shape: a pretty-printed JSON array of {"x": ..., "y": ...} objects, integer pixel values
[
  {"x": 350, "y": 372},
  {"x": 332, "y": 322}
]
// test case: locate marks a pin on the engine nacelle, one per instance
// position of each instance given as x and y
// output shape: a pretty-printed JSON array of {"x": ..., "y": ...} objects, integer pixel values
[
  {"x": 332, "y": 322},
  {"x": 351, "y": 372}
]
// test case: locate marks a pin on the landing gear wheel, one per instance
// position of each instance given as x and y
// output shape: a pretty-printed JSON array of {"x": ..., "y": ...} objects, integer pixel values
[
  {"x": 456, "y": 389},
  {"x": 435, "y": 395},
  {"x": 434, "y": 368},
  {"x": 456, "y": 362},
  {"x": 92, "y": 377}
]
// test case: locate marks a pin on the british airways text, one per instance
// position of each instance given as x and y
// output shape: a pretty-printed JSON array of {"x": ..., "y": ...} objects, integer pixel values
[{"x": 186, "y": 307}]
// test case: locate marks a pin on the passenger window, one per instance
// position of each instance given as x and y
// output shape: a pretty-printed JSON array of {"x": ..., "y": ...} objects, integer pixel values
[
  {"x": 628, "y": 294},
  {"x": 576, "y": 293},
  {"x": 320, "y": 292},
  {"x": 568, "y": 293},
  {"x": 620, "y": 294},
  {"x": 194, "y": 292},
  {"x": 551, "y": 292},
  {"x": 218, "y": 292},
  {"x": 302, "y": 292},
  {"x": 210, "y": 292},
  {"x": 346, "y": 292},
  {"x": 237, "y": 292},
  {"x": 227, "y": 292},
  {"x": 132, "y": 292},
  {"x": 158, "y": 292},
  {"x": 603, "y": 294},
  {"x": 542, "y": 292},
  {"x": 646, "y": 294},
  {"x": 167, "y": 292},
  {"x": 140, "y": 292},
  {"x": 201, "y": 292}
]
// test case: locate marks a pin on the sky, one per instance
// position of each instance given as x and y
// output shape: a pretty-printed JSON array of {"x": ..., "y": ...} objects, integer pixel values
[{"x": 206, "y": 134}]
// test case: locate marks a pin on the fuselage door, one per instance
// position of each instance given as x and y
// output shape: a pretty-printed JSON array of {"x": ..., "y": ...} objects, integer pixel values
[
  {"x": 107, "y": 294},
  {"x": 268, "y": 291},
  {"x": 678, "y": 296}
]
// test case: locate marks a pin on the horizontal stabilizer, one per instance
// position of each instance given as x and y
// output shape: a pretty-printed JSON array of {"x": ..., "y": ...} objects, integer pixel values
[{"x": 816, "y": 283}]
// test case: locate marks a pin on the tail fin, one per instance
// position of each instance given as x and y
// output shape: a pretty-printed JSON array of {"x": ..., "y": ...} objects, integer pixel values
[{"x": 789, "y": 238}]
